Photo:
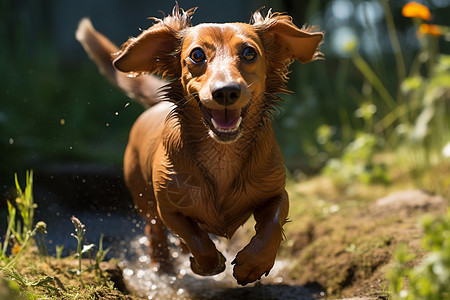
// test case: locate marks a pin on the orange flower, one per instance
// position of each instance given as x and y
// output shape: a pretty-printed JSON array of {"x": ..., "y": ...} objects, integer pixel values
[
  {"x": 16, "y": 248},
  {"x": 430, "y": 29},
  {"x": 416, "y": 10}
]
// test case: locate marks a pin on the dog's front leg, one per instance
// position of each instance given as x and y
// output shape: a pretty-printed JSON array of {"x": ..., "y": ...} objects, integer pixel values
[
  {"x": 258, "y": 257},
  {"x": 206, "y": 260}
]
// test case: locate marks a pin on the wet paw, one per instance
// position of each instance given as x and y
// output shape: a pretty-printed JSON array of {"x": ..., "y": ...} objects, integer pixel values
[{"x": 210, "y": 269}]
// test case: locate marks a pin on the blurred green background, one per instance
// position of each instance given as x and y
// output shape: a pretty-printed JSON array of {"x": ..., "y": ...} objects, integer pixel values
[{"x": 368, "y": 96}]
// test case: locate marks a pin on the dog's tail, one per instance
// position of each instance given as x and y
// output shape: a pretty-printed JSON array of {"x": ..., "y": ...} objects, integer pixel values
[{"x": 142, "y": 88}]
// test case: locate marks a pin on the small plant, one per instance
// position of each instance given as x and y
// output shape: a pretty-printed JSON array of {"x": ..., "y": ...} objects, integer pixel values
[
  {"x": 100, "y": 256},
  {"x": 44, "y": 282},
  {"x": 356, "y": 163},
  {"x": 81, "y": 249},
  {"x": 40, "y": 227},
  {"x": 41, "y": 244},
  {"x": 9, "y": 229},
  {"x": 25, "y": 204},
  {"x": 430, "y": 279},
  {"x": 59, "y": 250},
  {"x": 20, "y": 233}
]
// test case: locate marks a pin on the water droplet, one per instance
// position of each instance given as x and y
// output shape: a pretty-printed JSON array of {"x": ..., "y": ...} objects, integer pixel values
[
  {"x": 140, "y": 273},
  {"x": 143, "y": 240},
  {"x": 116, "y": 113},
  {"x": 127, "y": 104},
  {"x": 144, "y": 258},
  {"x": 128, "y": 272},
  {"x": 153, "y": 221},
  {"x": 140, "y": 194},
  {"x": 107, "y": 124},
  {"x": 175, "y": 255},
  {"x": 180, "y": 292},
  {"x": 11, "y": 141}
]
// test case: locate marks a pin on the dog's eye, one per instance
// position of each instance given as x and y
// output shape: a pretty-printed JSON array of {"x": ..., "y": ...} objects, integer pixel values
[
  {"x": 197, "y": 55},
  {"x": 249, "y": 53}
]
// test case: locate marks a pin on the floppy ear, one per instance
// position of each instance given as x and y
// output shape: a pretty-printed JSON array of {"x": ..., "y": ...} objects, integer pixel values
[
  {"x": 156, "y": 49},
  {"x": 283, "y": 42},
  {"x": 151, "y": 52},
  {"x": 299, "y": 44},
  {"x": 293, "y": 42}
]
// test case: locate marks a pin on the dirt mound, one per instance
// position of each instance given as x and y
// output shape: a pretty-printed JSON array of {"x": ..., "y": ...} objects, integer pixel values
[{"x": 345, "y": 242}]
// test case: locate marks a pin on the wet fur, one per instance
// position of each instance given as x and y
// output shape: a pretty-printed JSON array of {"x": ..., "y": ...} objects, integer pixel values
[{"x": 181, "y": 174}]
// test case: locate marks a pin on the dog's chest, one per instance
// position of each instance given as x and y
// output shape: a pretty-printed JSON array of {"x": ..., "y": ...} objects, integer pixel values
[{"x": 216, "y": 208}]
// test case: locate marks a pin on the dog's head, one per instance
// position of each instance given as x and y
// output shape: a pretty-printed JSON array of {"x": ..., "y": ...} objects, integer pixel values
[{"x": 226, "y": 68}]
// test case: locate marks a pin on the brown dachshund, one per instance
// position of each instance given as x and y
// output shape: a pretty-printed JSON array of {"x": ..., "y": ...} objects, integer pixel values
[{"x": 206, "y": 159}]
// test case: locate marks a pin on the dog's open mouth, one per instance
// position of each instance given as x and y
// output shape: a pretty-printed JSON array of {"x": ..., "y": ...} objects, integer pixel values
[{"x": 224, "y": 124}]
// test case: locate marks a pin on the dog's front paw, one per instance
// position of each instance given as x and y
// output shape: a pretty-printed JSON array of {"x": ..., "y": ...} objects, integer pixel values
[
  {"x": 211, "y": 266},
  {"x": 248, "y": 270},
  {"x": 255, "y": 260}
]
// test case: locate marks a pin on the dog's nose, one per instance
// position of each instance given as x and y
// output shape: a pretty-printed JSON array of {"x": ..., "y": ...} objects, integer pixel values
[{"x": 225, "y": 93}]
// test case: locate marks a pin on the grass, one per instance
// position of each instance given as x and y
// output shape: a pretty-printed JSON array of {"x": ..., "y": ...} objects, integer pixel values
[
  {"x": 20, "y": 234},
  {"x": 430, "y": 278},
  {"x": 27, "y": 272}
]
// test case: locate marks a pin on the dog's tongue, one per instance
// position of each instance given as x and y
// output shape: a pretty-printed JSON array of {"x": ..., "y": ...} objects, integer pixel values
[{"x": 226, "y": 118}]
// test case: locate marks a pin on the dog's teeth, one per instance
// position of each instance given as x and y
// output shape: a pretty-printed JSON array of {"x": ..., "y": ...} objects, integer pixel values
[
  {"x": 214, "y": 124},
  {"x": 238, "y": 123}
]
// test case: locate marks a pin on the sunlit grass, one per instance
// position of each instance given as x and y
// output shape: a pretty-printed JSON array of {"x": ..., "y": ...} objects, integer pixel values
[
  {"x": 430, "y": 278},
  {"x": 18, "y": 245},
  {"x": 20, "y": 232}
]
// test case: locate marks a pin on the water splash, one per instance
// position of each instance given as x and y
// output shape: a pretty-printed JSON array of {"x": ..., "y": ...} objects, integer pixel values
[{"x": 144, "y": 281}]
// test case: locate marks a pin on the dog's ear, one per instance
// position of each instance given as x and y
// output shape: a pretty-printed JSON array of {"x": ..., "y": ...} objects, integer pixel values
[
  {"x": 279, "y": 31},
  {"x": 156, "y": 49},
  {"x": 151, "y": 52}
]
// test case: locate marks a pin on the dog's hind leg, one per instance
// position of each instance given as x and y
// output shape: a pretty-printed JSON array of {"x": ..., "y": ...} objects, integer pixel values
[{"x": 145, "y": 203}]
